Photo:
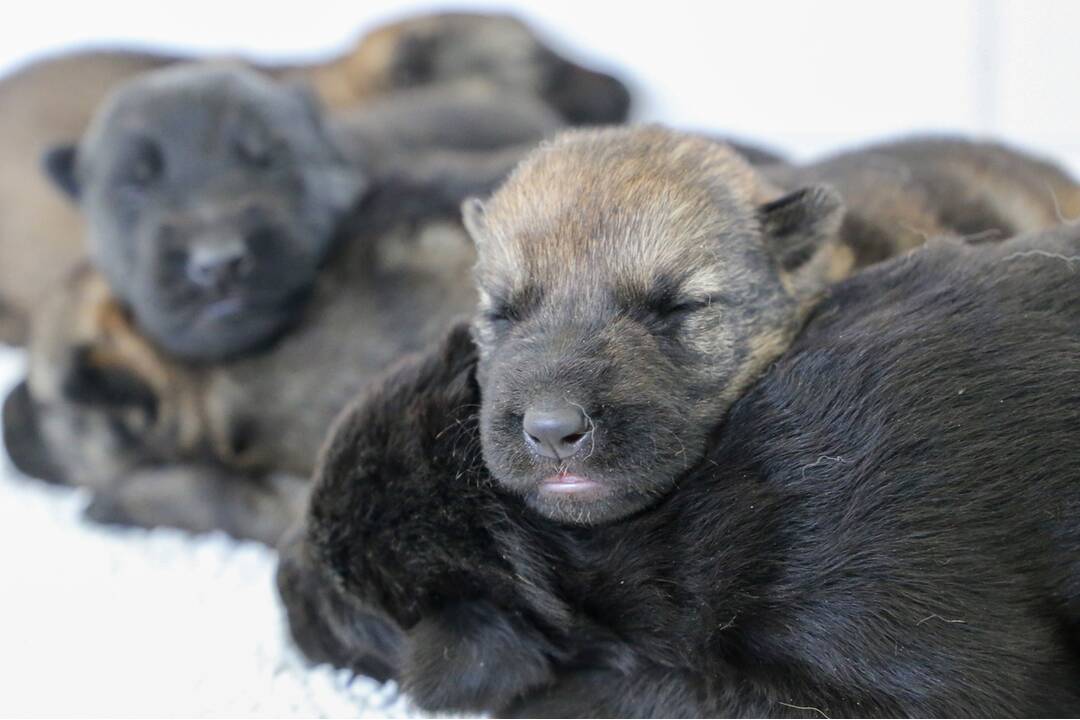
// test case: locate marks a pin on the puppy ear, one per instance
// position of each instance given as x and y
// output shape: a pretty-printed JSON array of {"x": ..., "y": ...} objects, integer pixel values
[
  {"x": 472, "y": 215},
  {"x": 59, "y": 165},
  {"x": 801, "y": 231}
]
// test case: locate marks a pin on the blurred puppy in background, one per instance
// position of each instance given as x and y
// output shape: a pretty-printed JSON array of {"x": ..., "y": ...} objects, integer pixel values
[{"x": 50, "y": 102}]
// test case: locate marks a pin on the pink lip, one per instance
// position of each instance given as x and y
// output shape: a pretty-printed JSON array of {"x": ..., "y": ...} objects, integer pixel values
[{"x": 566, "y": 483}]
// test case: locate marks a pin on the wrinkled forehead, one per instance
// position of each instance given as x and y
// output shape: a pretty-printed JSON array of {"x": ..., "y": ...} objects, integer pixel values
[{"x": 686, "y": 239}]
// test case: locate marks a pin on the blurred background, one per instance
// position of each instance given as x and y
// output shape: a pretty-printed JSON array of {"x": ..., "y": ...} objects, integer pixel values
[{"x": 803, "y": 77}]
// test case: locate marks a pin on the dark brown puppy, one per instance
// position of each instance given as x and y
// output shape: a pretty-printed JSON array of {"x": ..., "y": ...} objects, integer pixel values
[
  {"x": 51, "y": 101},
  {"x": 885, "y": 526},
  {"x": 635, "y": 281}
]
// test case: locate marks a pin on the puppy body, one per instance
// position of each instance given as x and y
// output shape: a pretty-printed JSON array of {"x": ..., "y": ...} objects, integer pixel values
[
  {"x": 51, "y": 102},
  {"x": 885, "y": 524}
]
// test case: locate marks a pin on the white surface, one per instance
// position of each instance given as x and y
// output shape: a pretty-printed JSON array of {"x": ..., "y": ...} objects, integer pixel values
[
  {"x": 99, "y": 622},
  {"x": 804, "y": 76}
]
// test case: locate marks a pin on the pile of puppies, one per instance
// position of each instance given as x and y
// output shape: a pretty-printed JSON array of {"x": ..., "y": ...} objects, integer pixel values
[{"x": 725, "y": 435}]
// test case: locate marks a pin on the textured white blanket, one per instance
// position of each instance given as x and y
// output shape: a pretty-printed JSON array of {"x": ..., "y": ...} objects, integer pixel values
[{"x": 104, "y": 622}]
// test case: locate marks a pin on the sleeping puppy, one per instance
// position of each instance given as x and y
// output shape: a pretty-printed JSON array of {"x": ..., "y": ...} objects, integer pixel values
[
  {"x": 884, "y": 524},
  {"x": 51, "y": 102},
  {"x": 257, "y": 266},
  {"x": 640, "y": 278}
]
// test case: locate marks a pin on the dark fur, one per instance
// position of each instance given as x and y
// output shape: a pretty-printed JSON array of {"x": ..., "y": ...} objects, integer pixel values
[{"x": 884, "y": 525}]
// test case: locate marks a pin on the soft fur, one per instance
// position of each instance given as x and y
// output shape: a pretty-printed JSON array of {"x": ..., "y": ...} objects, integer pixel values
[{"x": 884, "y": 525}]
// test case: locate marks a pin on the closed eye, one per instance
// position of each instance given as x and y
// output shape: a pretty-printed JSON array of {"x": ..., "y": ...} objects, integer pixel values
[
  {"x": 501, "y": 313},
  {"x": 675, "y": 310},
  {"x": 685, "y": 307},
  {"x": 511, "y": 307}
]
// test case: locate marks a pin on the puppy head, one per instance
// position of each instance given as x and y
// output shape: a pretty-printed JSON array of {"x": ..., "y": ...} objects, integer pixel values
[
  {"x": 633, "y": 282},
  {"x": 212, "y": 195}
]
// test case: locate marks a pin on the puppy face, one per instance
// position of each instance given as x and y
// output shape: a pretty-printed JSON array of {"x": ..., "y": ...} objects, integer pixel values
[
  {"x": 212, "y": 196},
  {"x": 632, "y": 285}
]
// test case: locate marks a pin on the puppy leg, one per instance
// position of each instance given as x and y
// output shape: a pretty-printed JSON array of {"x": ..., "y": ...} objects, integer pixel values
[
  {"x": 326, "y": 624},
  {"x": 201, "y": 499},
  {"x": 472, "y": 657},
  {"x": 648, "y": 691}
]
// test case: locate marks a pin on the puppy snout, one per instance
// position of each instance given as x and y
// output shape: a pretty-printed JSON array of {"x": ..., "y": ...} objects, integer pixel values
[
  {"x": 556, "y": 431},
  {"x": 219, "y": 266}
]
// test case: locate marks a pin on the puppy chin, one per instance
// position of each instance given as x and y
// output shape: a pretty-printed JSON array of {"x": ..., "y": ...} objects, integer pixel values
[{"x": 576, "y": 497}]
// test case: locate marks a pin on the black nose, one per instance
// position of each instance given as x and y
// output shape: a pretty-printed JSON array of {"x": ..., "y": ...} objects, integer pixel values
[
  {"x": 219, "y": 266},
  {"x": 556, "y": 431}
]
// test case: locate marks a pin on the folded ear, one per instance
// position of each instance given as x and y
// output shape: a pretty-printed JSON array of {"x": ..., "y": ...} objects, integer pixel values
[
  {"x": 472, "y": 215},
  {"x": 802, "y": 230},
  {"x": 59, "y": 165}
]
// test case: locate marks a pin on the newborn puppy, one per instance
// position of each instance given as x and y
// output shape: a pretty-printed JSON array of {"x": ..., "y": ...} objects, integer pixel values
[
  {"x": 634, "y": 282},
  {"x": 50, "y": 102},
  {"x": 884, "y": 525}
]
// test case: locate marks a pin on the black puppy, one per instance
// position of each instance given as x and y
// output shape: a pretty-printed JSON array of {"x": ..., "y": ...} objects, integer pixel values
[{"x": 885, "y": 524}]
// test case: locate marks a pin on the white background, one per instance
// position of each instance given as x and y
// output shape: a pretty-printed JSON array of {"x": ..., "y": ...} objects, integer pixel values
[{"x": 804, "y": 76}]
